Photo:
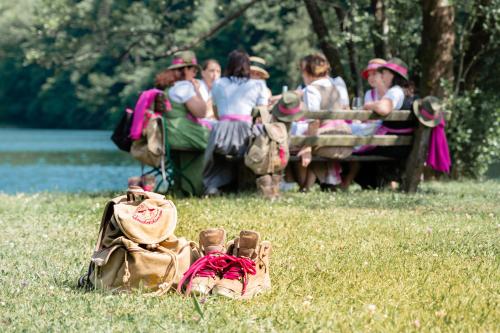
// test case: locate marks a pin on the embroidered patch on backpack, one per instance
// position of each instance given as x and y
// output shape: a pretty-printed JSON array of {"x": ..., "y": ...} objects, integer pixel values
[{"x": 146, "y": 215}]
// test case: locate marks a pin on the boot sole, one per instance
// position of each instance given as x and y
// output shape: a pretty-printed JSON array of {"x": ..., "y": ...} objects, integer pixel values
[{"x": 249, "y": 293}]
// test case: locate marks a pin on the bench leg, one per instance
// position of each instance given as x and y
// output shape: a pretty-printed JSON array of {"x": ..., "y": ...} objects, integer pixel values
[{"x": 416, "y": 159}]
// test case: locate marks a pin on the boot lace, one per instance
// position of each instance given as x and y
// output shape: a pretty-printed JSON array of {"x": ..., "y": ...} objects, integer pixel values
[
  {"x": 238, "y": 269},
  {"x": 207, "y": 266}
]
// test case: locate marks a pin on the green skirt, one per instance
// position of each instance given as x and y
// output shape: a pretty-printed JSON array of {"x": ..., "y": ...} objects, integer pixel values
[{"x": 187, "y": 141}]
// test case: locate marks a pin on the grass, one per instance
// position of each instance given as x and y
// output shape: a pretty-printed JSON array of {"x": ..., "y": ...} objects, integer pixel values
[{"x": 362, "y": 261}]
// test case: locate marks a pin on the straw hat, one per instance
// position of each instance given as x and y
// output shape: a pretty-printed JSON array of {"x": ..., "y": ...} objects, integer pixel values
[
  {"x": 288, "y": 107},
  {"x": 184, "y": 59},
  {"x": 372, "y": 65},
  {"x": 259, "y": 65},
  {"x": 398, "y": 66},
  {"x": 428, "y": 111}
]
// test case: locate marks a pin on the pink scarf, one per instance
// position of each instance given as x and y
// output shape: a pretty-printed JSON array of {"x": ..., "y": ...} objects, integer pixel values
[
  {"x": 143, "y": 103},
  {"x": 438, "y": 157}
]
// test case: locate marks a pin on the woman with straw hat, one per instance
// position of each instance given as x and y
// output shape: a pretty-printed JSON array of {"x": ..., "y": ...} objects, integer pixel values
[
  {"x": 394, "y": 75},
  {"x": 185, "y": 127},
  {"x": 370, "y": 127}
]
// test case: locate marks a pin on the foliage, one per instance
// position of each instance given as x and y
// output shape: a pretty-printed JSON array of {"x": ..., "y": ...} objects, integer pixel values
[
  {"x": 474, "y": 132},
  {"x": 366, "y": 262}
]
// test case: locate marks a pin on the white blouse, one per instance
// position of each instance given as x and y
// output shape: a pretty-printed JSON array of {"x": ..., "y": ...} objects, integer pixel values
[
  {"x": 396, "y": 95},
  {"x": 371, "y": 96},
  {"x": 339, "y": 83},
  {"x": 181, "y": 92},
  {"x": 238, "y": 96},
  {"x": 205, "y": 93}
]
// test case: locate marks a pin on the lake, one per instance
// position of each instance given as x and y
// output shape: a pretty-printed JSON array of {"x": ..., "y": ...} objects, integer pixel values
[{"x": 33, "y": 160}]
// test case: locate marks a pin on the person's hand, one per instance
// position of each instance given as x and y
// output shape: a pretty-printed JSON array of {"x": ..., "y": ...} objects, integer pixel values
[
  {"x": 273, "y": 100},
  {"x": 368, "y": 106},
  {"x": 196, "y": 84},
  {"x": 305, "y": 154}
]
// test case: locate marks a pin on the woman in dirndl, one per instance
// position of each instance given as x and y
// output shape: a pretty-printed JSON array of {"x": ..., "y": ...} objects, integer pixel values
[
  {"x": 186, "y": 130},
  {"x": 235, "y": 95},
  {"x": 320, "y": 93}
]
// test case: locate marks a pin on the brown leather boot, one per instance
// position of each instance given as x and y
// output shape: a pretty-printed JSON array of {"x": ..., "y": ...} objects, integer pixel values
[
  {"x": 248, "y": 274},
  {"x": 264, "y": 185},
  {"x": 202, "y": 275},
  {"x": 275, "y": 185}
]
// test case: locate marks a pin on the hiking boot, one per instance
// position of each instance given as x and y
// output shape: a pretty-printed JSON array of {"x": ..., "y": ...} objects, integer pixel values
[
  {"x": 275, "y": 185},
  {"x": 203, "y": 273},
  {"x": 264, "y": 185},
  {"x": 247, "y": 275}
]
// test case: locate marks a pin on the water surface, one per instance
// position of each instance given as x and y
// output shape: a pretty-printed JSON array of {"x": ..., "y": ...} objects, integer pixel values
[{"x": 62, "y": 160}]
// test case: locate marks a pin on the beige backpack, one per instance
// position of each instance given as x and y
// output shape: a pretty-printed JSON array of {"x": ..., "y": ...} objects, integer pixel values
[
  {"x": 150, "y": 148},
  {"x": 268, "y": 152},
  {"x": 136, "y": 247}
]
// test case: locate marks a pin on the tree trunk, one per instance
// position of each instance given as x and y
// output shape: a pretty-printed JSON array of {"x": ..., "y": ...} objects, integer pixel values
[
  {"x": 438, "y": 38},
  {"x": 321, "y": 30},
  {"x": 351, "y": 47},
  {"x": 380, "y": 34}
]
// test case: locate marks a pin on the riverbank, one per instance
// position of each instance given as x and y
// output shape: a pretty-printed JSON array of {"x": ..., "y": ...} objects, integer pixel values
[{"x": 363, "y": 261}]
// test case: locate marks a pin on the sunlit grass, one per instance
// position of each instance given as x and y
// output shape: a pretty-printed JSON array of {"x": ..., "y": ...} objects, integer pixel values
[{"x": 362, "y": 261}]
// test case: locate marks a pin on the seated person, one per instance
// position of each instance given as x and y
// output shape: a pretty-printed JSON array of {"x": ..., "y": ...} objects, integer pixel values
[
  {"x": 394, "y": 76},
  {"x": 319, "y": 94},
  {"x": 369, "y": 127},
  {"x": 235, "y": 96},
  {"x": 210, "y": 72},
  {"x": 185, "y": 129}
]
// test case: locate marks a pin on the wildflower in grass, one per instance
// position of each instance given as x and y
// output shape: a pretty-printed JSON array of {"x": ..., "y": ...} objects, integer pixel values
[
  {"x": 416, "y": 323},
  {"x": 372, "y": 308},
  {"x": 440, "y": 313}
]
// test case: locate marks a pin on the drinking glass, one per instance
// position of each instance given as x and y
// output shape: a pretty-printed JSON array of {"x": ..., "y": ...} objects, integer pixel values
[{"x": 357, "y": 103}]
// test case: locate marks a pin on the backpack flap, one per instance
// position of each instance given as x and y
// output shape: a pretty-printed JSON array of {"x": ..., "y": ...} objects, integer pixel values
[
  {"x": 277, "y": 132},
  {"x": 146, "y": 218}
]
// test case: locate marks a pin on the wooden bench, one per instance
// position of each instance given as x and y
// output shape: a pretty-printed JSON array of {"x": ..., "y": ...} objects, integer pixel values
[{"x": 418, "y": 140}]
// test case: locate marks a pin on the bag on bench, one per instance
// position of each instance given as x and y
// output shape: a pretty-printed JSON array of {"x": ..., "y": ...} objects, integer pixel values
[
  {"x": 136, "y": 247},
  {"x": 150, "y": 148},
  {"x": 268, "y": 152}
]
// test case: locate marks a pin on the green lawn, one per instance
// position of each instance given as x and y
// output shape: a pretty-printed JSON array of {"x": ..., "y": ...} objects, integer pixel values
[{"x": 359, "y": 261}]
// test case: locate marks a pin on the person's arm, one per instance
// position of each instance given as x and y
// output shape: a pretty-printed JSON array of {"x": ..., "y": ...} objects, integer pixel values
[
  {"x": 196, "y": 105},
  {"x": 383, "y": 107}
]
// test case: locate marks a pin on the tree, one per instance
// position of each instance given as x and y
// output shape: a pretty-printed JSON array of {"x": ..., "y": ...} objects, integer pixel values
[{"x": 438, "y": 39}]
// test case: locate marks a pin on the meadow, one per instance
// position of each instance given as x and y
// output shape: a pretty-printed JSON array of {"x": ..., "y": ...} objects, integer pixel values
[{"x": 362, "y": 261}]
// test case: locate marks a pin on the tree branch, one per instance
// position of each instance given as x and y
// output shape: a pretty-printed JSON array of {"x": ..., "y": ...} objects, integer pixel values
[
  {"x": 321, "y": 30},
  {"x": 211, "y": 32}
]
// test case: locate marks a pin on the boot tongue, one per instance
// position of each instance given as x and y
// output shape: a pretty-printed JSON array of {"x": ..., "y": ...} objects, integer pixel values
[
  {"x": 212, "y": 240},
  {"x": 249, "y": 240}
]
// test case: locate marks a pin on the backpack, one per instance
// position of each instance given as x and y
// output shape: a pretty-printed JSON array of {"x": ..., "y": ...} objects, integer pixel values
[
  {"x": 268, "y": 152},
  {"x": 136, "y": 247},
  {"x": 120, "y": 135},
  {"x": 150, "y": 148}
]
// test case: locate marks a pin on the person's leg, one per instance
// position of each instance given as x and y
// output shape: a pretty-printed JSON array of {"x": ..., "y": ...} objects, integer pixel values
[
  {"x": 301, "y": 173},
  {"x": 354, "y": 167},
  {"x": 309, "y": 180}
]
